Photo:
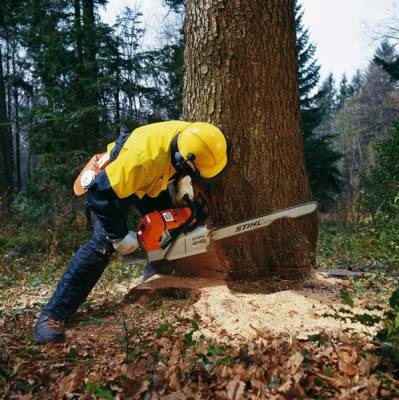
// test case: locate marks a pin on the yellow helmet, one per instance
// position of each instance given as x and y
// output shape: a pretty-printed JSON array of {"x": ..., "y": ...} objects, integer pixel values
[{"x": 208, "y": 145}]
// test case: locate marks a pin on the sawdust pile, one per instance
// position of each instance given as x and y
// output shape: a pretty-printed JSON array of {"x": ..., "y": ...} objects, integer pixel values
[{"x": 244, "y": 310}]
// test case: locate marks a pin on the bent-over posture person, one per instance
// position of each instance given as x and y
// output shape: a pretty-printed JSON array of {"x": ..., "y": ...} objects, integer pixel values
[{"x": 142, "y": 166}]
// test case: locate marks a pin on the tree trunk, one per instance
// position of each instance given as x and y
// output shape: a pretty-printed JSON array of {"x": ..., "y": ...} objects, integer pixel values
[
  {"x": 117, "y": 117},
  {"x": 78, "y": 33},
  {"x": 17, "y": 122},
  {"x": 91, "y": 100},
  {"x": 241, "y": 75},
  {"x": 6, "y": 159}
]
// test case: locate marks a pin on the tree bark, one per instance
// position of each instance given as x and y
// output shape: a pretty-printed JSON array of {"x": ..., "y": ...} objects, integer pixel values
[{"x": 241, "y": 75}]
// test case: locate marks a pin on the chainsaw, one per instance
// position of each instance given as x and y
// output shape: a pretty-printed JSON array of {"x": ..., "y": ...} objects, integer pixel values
[{"x": 181, "y": 232}]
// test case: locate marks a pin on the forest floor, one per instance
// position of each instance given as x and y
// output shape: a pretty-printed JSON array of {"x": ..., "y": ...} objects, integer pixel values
[{"x": 200, "y": 339}]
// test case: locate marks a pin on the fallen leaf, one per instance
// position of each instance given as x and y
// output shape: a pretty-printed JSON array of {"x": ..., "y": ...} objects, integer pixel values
[
  {"x": 132, "y": 389},
  {"x": 346, "y": 362},
  {"x": 294, "y": 362},
  {"x": 174, "y": 380},
  {"x": 367, "y": 364},
  {"x": 235, "y": 389}
]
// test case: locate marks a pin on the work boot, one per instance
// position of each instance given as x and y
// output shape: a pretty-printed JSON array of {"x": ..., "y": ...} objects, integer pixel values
[
  {"x": 149, "y": 271},
  {"x": 161, "y": 267},
  {"x": 48, "y": 330}
]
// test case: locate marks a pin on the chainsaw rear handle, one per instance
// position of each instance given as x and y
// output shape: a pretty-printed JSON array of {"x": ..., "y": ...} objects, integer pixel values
[{"x": 183, "y": 227}]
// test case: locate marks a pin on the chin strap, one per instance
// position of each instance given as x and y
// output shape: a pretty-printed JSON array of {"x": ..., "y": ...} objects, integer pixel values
[{"x": 181, "y": 165}]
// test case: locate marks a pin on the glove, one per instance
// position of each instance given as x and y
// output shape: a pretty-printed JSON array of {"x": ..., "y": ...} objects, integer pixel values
[
  {"x": 126, "y": 245},
  {"x": 184, "y": 187}
]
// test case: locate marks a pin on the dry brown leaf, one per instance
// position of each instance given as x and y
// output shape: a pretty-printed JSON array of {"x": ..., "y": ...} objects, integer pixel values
[
  {"x": 132, "y": 389},
  {"x": 259, "y": 386},
  {"x": 336, "y": 382},
  {"x": 174, "y": 380},
  {"x": 225, "y": 372},
  {"x": 235, "y": 389},
  {"x": 294, "y": 362},
  {"x": 368, "y": 363},
  {"x": 346, "y": 362},
  {"x": 135, "y": 370},
  {"x": 70, "y": 383},
  {"x": 175, "y": 356},
  {"x": 175, "y": 396},
  {"x": 239, "y": 371},
  {"x": 373, "y": 387},
  {"x": 285, "y": 387},
  {"x": 201, "y": 347},
  {"x": 325, "y": 353},
  {"x": 120, "y": 358}
]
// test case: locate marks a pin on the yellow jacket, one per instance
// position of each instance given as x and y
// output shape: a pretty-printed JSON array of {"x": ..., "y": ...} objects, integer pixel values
[{"x": 143, "y": 165}]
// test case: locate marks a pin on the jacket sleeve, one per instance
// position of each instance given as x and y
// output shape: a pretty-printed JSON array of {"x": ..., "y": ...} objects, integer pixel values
[
  {"x": 115, "y": 147},
  {"x": 128, "y": 174}
]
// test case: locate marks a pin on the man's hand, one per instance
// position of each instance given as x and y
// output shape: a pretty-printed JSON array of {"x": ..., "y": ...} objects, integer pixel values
[
  {"x": 184, "y": 187},
  {"x": 126, "y": 245}
]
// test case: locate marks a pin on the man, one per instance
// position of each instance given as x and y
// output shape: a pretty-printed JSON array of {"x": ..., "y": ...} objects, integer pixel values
[{"x": 142, "y": 166}]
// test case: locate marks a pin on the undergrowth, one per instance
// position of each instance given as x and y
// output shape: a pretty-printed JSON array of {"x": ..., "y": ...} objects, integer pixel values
[
  {"x": 372, "y": 245},
  {"x": 36, "y": 254}
]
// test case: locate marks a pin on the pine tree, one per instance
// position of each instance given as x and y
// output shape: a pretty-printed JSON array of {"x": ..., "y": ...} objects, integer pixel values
[
  {"x": 321, "y": 158},
  {"x": 377, "y": 82},
  {"x": 391, "y": 65},
  {"x": 357, "y": 82},
  {"x": 328, "y": 100},
  {"x": 381, "y": 185},
  {"x": 345, "y": 91}
]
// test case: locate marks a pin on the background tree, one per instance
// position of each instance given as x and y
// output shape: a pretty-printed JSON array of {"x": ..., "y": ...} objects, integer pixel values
[
  {"x": 363, "y": 120},
  {"x": 321, "y": 157},
  {"x": 251, "y": 92},
  {"x": 6, "y": 158},
  {"x": 345, "y": 91},
  {"x": 8, "y": 48},
  {"x": 381, "y": 186},
  {"x": 79, "y": 83}
]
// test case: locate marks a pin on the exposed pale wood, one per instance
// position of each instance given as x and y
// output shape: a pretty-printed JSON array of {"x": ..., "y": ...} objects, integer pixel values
[{"x": 166, "y": 286}]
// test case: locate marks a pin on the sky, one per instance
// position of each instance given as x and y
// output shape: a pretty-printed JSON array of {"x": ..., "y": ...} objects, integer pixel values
[{"x": 344, "y": 31}]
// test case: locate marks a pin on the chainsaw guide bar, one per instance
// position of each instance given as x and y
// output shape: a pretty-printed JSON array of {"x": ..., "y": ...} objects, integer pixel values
[
  {"x": 198, "y": 240},
  {"x": 263, "y": 221}
]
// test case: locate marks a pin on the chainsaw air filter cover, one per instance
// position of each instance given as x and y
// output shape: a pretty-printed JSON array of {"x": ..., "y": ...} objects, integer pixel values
[{"x": 156, "y": 228}]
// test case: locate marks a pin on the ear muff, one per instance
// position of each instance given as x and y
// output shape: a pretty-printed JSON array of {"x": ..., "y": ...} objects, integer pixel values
[
  {"x": 187, "y": 167},
  {"x": 181, "y": 165}
]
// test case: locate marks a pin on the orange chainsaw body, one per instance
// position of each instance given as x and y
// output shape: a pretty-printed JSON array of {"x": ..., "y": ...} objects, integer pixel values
[{"x": 156, "y": 226}]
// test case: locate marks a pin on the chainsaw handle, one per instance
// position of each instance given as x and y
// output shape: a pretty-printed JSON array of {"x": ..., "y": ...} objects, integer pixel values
[
  {"x": 183, "y": 227},
  {"x": 190, "y": 203}
]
